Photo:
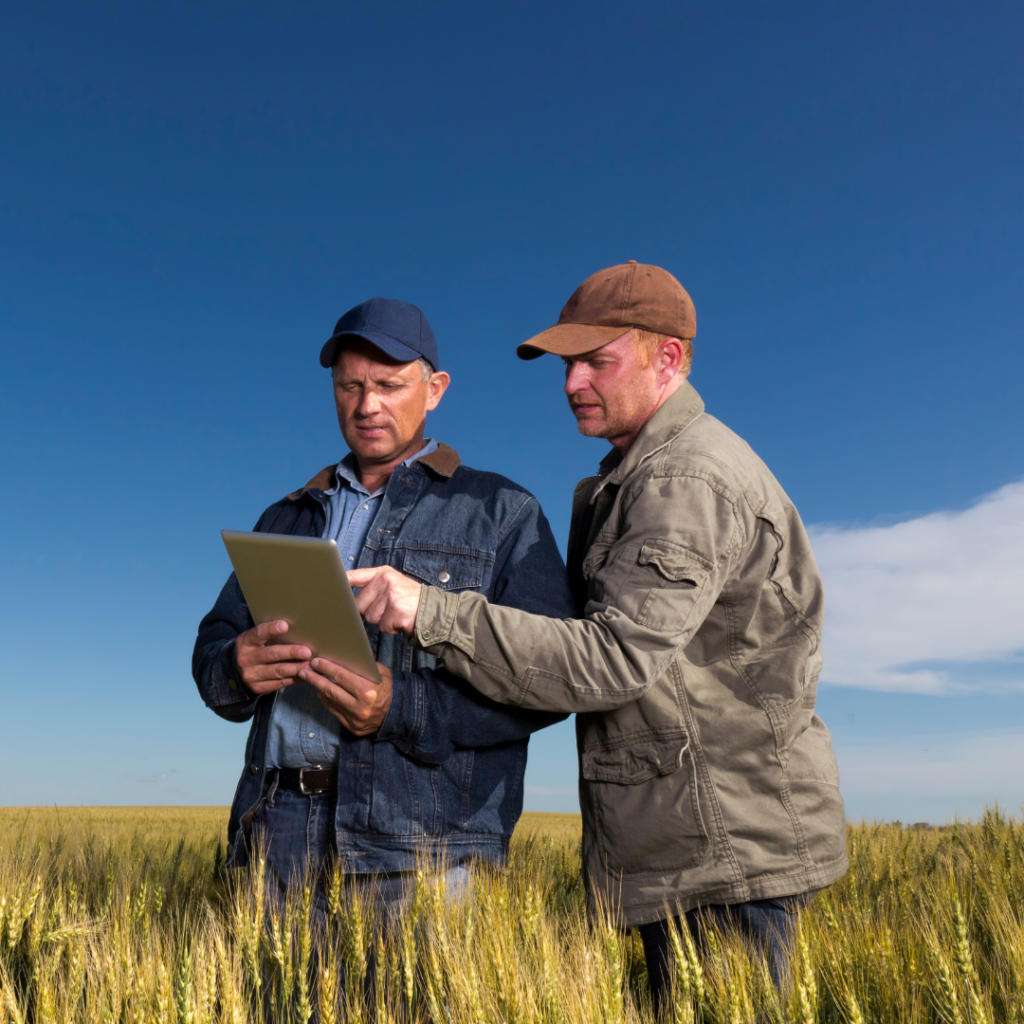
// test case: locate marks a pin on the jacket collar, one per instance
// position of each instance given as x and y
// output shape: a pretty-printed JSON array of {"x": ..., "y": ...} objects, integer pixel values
[
  {"x": 443, "y": 461},
  {"x": 675, "y": 415}
]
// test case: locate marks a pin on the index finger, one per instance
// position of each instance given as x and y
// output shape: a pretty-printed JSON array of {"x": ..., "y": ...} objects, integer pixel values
[{"x": 360, "y": 577}]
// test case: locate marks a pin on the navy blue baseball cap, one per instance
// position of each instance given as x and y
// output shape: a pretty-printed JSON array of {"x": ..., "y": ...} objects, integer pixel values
[{"x": 398, "y": 329}]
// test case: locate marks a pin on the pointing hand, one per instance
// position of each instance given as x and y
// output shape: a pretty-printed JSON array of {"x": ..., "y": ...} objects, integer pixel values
[{"x": 387, "y": 598}]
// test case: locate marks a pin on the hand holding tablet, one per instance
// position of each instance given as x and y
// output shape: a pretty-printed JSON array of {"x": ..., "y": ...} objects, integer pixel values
[
  {"x": 263, "y": 664},
  {"x": 301, "y": 581}
]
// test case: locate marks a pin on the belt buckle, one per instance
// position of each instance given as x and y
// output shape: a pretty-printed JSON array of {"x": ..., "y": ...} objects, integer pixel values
[{"x": 302, "y": 780}]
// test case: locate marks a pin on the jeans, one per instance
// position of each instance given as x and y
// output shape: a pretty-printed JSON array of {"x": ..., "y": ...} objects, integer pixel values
[
  {"x": 298, "y": 834},
  {"x": 766, "y": 924}
]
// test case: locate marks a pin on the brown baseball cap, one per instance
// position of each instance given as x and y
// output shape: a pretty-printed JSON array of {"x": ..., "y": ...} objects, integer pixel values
[{"x": 612, "y": 301}]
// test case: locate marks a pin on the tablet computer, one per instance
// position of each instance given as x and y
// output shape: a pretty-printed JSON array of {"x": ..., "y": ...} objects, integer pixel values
[{"x": 302, "y": 580}]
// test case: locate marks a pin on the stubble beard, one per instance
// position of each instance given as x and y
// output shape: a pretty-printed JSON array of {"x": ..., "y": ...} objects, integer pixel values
[
  {"x": 623, "y": 415},
  {"x": 606, "y": 426},
  {"x": 588, "y": 428}
]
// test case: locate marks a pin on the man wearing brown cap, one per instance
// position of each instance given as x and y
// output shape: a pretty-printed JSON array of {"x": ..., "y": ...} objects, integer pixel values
[{"x": 708, "y": 784}]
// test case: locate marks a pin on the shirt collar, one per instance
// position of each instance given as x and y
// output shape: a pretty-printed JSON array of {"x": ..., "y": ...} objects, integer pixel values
[
  {"x": 675, "y": 415},
  {"x": 346, "y": 469}
]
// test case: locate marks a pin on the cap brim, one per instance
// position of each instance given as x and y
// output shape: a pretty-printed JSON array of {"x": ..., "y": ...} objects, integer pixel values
[
  {"x": 397, "y": 350},
  {"x": 569, "y": 340}
]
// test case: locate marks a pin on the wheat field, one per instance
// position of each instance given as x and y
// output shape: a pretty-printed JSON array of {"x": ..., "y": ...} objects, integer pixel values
[{"x": 127, "y": 915}]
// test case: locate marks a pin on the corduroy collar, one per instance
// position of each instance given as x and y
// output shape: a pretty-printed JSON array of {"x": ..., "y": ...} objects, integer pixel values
[{"x": 443, "y": 461}]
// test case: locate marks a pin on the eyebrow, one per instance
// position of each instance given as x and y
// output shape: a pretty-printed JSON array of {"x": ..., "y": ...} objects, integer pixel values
[
  {"x": 392, "y": 378},
  {"x": 586, "y": 357}
]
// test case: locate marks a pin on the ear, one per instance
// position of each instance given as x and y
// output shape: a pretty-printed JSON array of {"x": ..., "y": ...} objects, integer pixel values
[
  {"x": 669, "y": 357},
  {"x": 436, "y": 387}
]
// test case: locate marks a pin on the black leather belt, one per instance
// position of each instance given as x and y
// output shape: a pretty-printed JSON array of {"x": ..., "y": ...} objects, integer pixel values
[{"x": 308, "y": 781}]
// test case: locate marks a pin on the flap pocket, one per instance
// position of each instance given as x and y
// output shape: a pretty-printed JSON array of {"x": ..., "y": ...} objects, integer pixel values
[
  {"x": 675, "y": 562},
  {"x": 446, "y": 570},
  {"x": 635, "y": 763},
  {"x": 597, "y": 554}
]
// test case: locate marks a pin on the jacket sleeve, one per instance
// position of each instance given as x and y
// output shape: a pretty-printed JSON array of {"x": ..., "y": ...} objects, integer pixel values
[
  {"x": 651, "y": 588},
  {"x": 433, "y": 712},
  {"x": 213, "y": 657}
]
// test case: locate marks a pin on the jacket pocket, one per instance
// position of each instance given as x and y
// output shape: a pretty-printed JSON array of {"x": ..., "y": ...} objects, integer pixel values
[
  {"x": 597, "y": 554},
  {"x": 812, "y": 779},
  {"x": 643, "y": 797},
  {"x": 447, "y": 570},
  {"x": 675, "y": 563},
  {"x": 672, "y": 571}
]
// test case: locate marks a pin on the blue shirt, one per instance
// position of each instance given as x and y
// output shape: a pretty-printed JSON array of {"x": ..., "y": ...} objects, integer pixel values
[{"x": 302, "y": 731}]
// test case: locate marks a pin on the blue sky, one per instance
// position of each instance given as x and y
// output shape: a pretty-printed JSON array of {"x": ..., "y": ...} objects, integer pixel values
[{"x": 191, "y": 194}]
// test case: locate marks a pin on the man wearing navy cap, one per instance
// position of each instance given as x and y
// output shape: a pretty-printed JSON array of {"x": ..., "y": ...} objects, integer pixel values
[{"x": 420, "y": 764}]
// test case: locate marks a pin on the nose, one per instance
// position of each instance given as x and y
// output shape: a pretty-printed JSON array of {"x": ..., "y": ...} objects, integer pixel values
[
  {"x": 576, "y": 378},
  {"x": 369, "y": 404}
]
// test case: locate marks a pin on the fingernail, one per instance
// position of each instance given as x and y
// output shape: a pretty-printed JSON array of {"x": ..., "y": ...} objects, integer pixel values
[
  {"x": 315, "y": 663},
  {"x": 304, "y": 652}
]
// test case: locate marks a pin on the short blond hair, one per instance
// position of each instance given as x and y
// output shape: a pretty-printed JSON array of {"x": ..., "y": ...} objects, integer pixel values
[{"x": 648, "y": 341}]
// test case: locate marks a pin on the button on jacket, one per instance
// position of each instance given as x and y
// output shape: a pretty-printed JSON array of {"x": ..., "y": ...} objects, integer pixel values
[
  {"x": 445, "y": 771},
  {"x": 706, "y": 776},
  {"x": 302, "y": 732}
]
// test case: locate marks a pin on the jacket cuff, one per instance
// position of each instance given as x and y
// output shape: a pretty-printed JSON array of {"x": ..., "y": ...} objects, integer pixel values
[
  {"x": 223, "y": 685},
  {"x": 435, "y": 617},
  {"x": 403, "y": 724}
]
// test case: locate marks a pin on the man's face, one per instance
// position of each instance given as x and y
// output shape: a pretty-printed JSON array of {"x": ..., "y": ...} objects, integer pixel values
[
  {"x": 611, "y": 392},
  {"x": 382, "y": 404}
]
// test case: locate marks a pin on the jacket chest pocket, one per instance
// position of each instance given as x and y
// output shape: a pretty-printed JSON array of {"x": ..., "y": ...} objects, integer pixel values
[
  {"x": 448, "y": 570},
  {"x": 597, "y": 558},
  {"x": 644, "y": 797},
  {"x": 602, "y": 531}
]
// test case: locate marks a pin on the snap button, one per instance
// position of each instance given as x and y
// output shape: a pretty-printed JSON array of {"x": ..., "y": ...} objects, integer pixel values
[
  {"x": 254, "y": 768},
  {"x": 444, "y": 576},
  {"x": 232, "y": 685}
]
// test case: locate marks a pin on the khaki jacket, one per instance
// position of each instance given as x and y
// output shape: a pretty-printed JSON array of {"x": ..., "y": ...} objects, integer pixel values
[{"x": 705, "y": 775}]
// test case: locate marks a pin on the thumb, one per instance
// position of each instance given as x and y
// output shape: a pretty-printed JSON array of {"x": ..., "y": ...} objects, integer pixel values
[{"x": 266, "y": 631}]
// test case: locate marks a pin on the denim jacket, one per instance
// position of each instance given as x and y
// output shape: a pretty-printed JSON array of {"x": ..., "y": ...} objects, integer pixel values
[{"x": 444, "y": 774}]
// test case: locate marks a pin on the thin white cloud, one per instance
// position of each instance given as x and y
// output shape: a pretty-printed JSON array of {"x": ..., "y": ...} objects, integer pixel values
[
  {"x": 987, "y": 765},
  {"x": 946, "y": 588}
]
